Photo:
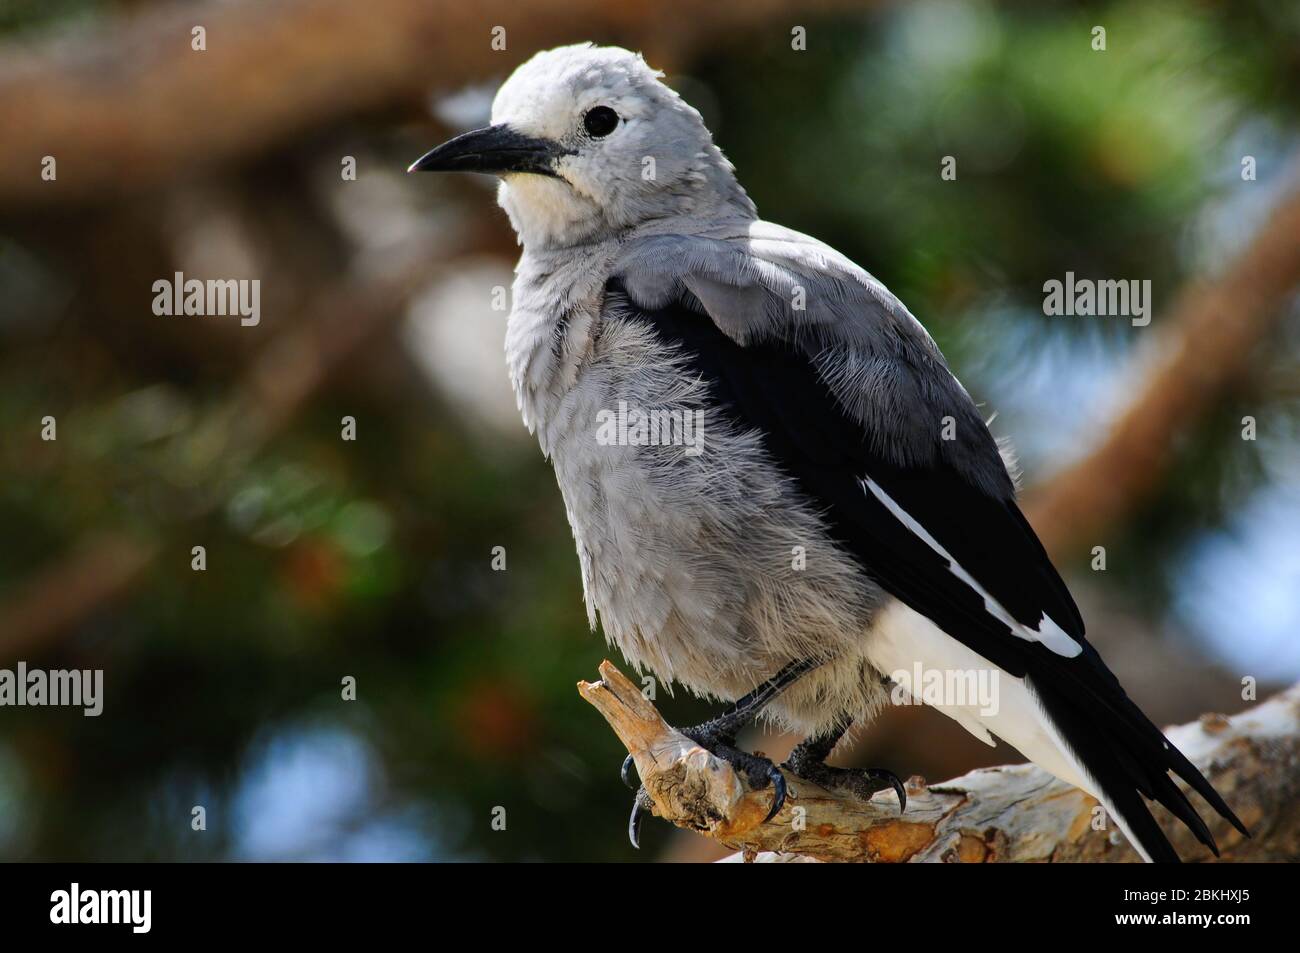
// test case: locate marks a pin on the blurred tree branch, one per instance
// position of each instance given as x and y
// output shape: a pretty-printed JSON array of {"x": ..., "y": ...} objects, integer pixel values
[
  {"x": 282, "y": 377},
  {"x": 136, "y": 106},
  {"x": 993, "y": 815},
  {"x": 1200, "y": 348}
]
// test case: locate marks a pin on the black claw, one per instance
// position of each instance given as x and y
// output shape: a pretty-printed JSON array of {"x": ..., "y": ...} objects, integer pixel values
[
  {"x": 901, "y": 791},
  {"x": 634, "y": 825},
  {"x": 640, "y": 808},
  {"x": 626, "y": 772},
  {"x": 778, "y": 792},
  {"x": 890, "y": 778}
]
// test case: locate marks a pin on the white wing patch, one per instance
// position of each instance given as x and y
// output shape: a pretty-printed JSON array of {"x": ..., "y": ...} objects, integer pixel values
[{"x": 1048, "y": 632}]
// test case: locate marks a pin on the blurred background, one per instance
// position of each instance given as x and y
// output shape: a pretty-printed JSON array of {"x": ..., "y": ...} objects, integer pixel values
[{"x": 372, "y": 558}]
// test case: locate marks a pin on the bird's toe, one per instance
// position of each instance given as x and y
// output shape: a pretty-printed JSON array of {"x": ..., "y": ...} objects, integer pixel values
[{"x": 860, "y": 782}]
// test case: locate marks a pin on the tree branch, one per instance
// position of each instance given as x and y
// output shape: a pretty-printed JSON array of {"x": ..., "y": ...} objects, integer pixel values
[
  {"x": 994, "y": 815},
  {"x": 1201, "y": 347},
  {"x": 278, "y": 381},
  {"x": 136, "y": 105}
]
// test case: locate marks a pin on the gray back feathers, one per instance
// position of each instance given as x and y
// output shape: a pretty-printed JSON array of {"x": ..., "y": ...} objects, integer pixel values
[{"x": 776, "y": 284}]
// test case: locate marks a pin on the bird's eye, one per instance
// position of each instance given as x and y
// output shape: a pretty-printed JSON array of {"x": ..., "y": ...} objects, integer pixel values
[{"x": 600, "y": 121}]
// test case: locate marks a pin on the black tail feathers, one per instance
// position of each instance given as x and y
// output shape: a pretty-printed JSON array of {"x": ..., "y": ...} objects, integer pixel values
[{"x": 1127, "y": 759}]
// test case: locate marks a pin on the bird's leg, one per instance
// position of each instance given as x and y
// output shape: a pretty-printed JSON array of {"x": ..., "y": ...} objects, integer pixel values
[
  {"x": 808, "y": 761},
  {"x": 718, "y": 737}
]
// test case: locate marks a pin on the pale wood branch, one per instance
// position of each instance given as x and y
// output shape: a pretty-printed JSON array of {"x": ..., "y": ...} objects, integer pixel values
[{"x": 994, "y": 815}]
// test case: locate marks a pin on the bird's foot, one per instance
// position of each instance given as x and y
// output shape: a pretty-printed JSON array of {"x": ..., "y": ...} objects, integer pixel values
[
  {"x": 758, "y": 770},
  {"x": 718, "y": 737},
  {"x": 862, "y": 783}
]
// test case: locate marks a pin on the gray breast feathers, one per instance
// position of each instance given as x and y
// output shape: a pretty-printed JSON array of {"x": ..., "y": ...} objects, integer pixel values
[{"x": 701, "y": 562}]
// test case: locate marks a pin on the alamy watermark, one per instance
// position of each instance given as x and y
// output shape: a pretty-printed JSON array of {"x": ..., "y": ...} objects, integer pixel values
[
  {"x": 77, "y": 905},
  {"x": 1086, "y": 297},
  {"x": 216, "y": 296},
  {"x": 947, "y": 687},
  {"x": 636, "y": 427},
  {"x": 80, "y": 688}
]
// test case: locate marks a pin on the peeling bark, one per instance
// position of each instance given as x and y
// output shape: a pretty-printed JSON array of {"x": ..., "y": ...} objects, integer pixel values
[{"x": 994, "y": 815}]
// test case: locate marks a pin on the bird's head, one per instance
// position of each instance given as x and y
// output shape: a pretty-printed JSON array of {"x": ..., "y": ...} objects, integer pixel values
[{"x": 588, "y": 143}]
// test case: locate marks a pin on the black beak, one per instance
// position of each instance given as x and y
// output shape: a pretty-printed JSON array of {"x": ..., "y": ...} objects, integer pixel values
[{"x": 494, "y": 150}]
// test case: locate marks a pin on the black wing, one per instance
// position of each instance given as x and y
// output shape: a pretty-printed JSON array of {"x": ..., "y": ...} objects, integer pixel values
[{"x": 775, "y": 388}]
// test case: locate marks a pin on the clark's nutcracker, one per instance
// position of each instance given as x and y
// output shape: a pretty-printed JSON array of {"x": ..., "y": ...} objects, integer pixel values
[{"x": 780, "y": 494}]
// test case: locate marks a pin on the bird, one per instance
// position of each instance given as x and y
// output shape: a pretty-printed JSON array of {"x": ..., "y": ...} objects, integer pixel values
[{"x": 780, "y": 494}]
